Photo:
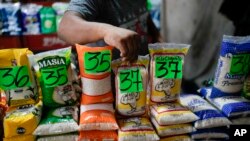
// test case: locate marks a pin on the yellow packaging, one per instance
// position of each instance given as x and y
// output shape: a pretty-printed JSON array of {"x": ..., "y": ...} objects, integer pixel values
[
  {"x": 135, "y": 77},
  {"x": 15, "y": 72},
  {"x": 177, "y": 138},
  {"x": 166, "y": 64},
  {"x": 21, "y": 138},
  {"x": 22, "y": 120}
]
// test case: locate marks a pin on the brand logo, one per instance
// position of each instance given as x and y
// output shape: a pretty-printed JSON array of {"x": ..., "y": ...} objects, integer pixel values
[
  {"x": 51, "y": 61},
  {"x": 20, "y": 130}
]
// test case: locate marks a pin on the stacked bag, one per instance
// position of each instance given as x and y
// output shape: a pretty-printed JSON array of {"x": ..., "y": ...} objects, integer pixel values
[
  {"x": 97, "y": 118},
  {"x": 167, "y": 115}
]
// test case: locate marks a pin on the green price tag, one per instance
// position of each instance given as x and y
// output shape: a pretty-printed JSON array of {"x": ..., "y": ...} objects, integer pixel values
[
  {"x": 168, "y": 67},
  {"x": 240, "y": 64},
  {"x": 97, "y": 62},
  {"x": 55, "y": 76},
  {"x": 130, "y": 81},
  {"x": 14, "y": 77}
]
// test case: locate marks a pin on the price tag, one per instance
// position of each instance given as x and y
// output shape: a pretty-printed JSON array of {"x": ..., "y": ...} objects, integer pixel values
[
  {"x": 168, "y": 67},
  {"x": 130, "y": 81},
  {"x": 54, "y": 76},
  {"x": 14, "y": 77},
  {"x": 97, "y": 62},
  {"x": 240, "y": 64}
]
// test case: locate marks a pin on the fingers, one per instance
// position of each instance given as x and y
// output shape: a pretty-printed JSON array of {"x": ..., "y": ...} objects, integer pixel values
[{"x": 132, "y": 44}]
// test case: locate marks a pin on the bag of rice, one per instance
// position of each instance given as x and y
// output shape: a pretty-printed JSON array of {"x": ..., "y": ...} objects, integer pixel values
[
  {"x": 166, "y": 64},
  {"x": 95, "y": 72},
  {"x": 209, "y": 116},
  {"x": 96, "y": 135},
  {"x": 171, "y": 130},
  {"x": 21, "y": 138},
  {"x": 65, "y": 137},
  {"x": 210, "y": 133},
  {"x": 98, "y": 117},
  {"x": 171, "y": 113},
  {"x": 22, "y": 120},
  {"x": 54, "y": 73},
  {"x": 17, "y": 79},
  {"x": 136, "y": 129},
  {"x": 58, "y": 121},
  {"x": 246, "y": 88},
  {"x": 233, "y": 66},
  {"x": 231, "y": 106},
  {"x": 131, "y": 86},
  {"x": 177, "y": 138}
]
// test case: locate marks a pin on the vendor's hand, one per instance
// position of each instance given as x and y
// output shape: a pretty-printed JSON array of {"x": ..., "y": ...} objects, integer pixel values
[{"x": 127, "y": 41}]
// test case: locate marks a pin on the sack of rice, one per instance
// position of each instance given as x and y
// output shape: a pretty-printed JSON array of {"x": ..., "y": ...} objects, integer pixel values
[
  {"x": 177, "y": 138},
  {"x": 54, "y": 73},
  {"x": 21, "y": 138},
  {"x": 96, "y": 135},
  {"x": 17, "y": 78},
  {"x": 64, "y": 137},
  {"x": 210, "y": 133},
  {"x": 171, "y": 113},
  {"x": 233, "y": 66},
  {"x": 95, "y": 72},
  {"x": 131, "y": 86},
  {"x": 136, "y": 129},
  {"x": 166, "y": 64},
  {"x": 246, "y": 88}
]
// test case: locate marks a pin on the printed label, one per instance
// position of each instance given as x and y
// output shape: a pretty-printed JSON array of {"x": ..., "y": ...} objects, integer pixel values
[{"x": 240, "y": 64}]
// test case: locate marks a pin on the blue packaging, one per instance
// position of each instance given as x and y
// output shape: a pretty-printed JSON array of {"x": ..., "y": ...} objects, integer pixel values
[
  {"x": 209, "y": 116},
  {"x": 233, "y": 66},
  {"x": 211, "y": 133}
]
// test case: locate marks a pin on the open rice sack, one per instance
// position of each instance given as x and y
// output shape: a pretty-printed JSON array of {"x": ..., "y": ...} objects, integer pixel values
[
  {"x": 231, "y": 106},
  {"x": 98, "y": 117},
  {"x": 177, "y": 138},
  {"x": 22, "y": 120},
  {"x": 136, "y": 129},
  {"x": 17, "y": 77},
  {"x": 97, "y": 135},
  {"x": 209, "y": 116},
  {"x": 54, "y": 73},
  {"x": 21, "y": 138},
  {"x": 131, "y": 86},
  {"x": 210, "y": 134},
  {"x": 64, "y": 137},
  {"x": 58, "y": 121},
  {"x": 166, "y": 68},
  {"x": 233, "y": 66},
  {"x": 171, "y": 130},
  {"x": 246, "y": 88},
  {"x": 95, "y": 72},
  {"x": 171, "y": 113}
]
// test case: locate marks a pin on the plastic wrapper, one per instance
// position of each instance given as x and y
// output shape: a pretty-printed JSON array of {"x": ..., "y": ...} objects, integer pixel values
[
  {"x": 30, "y": 18},
  {"x": 209, "y": 116},
  {"x": 21, "y": 138},
  {"x": 48, "y": 20},
  {"x": 233, "y": 66},
  {"x": 58, "y": 121},
  {"x": 166, "y": 71},
  {"x": 131, "y": 86},
  {"x": 171, "y": 113},
  {"x": 17, "y": 78},
  {"x": 135, "y": 129},
  {"x": 96, "y": 135},
  {"x": 95, "y": 72},
  {"x": 65, "y": 137},
  {"x": 177, "y": 138},
  {"x": 60, "y": 8},
  {"x": 210, "y": 133},
  {"x": 98, "y": 117},
  {"x": 55, "y": 76},
  {"x": 22, "y": 120},
  {"x": 171, "y": 130}
]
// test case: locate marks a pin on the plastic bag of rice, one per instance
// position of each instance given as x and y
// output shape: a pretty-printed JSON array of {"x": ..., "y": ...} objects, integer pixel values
[
  {"x": 22, "y": 120},
  {"x": 98, "y": 117},
  {"x": 166, "y": 64},
  {"x": 171, "y": 130},
  {"x": 95, "y": 72},
  {"x": 97, "y": 135},
  {"x": 136, "y": 129},
  {"x": 21, "y": 138},
  {"x": 177, "y": 138},
  {"x": 233, "y": 66},
  {"x": 171, "y": 113},
  {"x": 17, "y": 78},
  {"x": 231, "y": 106},
  {"x": 210, "y": 133},
  {"x": 58, "y": 121},
  {"x": 131, "y": 86},
  {"x": 209, "y": 116},
  {"x": 65, "y": 137},
  {"x": 246, "y": 88},
  {"x": 54, "y": 73}
]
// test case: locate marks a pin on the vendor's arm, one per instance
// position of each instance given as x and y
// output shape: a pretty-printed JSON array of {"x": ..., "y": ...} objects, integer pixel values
[{"x": 74, "y": 29}]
